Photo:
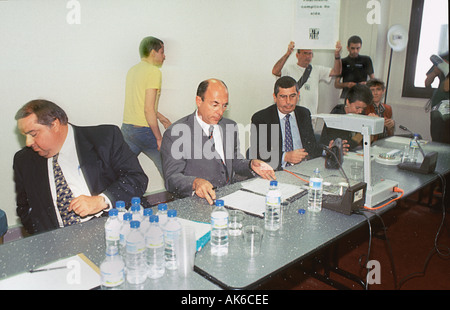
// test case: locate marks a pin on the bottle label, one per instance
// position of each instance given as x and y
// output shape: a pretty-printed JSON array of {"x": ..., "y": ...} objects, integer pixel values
[
  {"x": 112, "y": 235},
  {"x": 112, "y": 274},
  {"x": 155, "y": 241},
  {"x": 315, "y": 183},
  {"x": 219, "y": 220},
  {"x": 273, "y": 200},
  {"x": 135, "y": 247}
]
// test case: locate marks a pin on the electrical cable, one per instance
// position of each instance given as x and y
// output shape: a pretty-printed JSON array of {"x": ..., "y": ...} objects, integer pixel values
[
  {"x": 390, "y": 252},
  {"x": 435, "y": 248},
  {"x": 397, "y": 190},
  {"x": 369, "y": 247}
]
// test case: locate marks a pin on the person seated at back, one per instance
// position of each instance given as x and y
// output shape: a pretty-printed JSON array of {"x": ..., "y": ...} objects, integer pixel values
[
  {"x": 357, "y": 100},
  {"x": 380, "y": 109}
]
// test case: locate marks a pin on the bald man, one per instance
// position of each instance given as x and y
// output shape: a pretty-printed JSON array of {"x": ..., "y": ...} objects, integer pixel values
[{"x": 200, "y": 152}]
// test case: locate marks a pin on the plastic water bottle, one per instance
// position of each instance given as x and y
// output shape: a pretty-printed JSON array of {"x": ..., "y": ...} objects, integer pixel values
[
  {"x": 112, "y": 269},
  {"x": 154, "y": 241},
  {"x": 112, "y": 229},
  {"x": 135, "y": 258},
  {"x": 135, "y": 209},
  {"x": 120, "y": 206},
  {"x": 272, "y": 216},
  {"x": 162, "y": 214},
  {"x": 124, "y": 230},
  {"x": 145, "y": 224},
  {"x": 172, "y": 233},
  {"x": 219, "y": 229},
  {"x": 315, "y": 192},
  {"x": 414, "y": 148}
]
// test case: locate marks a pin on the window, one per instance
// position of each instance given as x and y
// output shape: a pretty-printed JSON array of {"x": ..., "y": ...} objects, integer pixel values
[{"x": 428, "y": 28}]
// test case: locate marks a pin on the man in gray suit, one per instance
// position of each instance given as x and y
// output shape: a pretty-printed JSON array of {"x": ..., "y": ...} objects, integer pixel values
[{"x": 200, "y": 152}]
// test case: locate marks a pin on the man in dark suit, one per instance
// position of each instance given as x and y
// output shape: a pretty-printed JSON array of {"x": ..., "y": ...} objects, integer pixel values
[
  {"x": 282, "y": 133},
  {"x": 200, "y": 152},
  {"x": 90, "y": 167}
]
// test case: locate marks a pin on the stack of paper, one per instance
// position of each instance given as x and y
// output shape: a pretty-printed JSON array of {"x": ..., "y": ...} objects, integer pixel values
[{"x": 251, "y": 198}]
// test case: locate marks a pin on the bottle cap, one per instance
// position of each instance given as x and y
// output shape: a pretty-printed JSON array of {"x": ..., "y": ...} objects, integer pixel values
[
  {"x": 172, "y": 213},
  {"x": 273, "y": 183},
  {"x": 135, "y": 224},
  {"x": 162, "y": 206},
  {"x": 113, "y": 212},
  {"x": 127, "y": 216},
  {"x": 148, "y": 212},
  {"x": 219, "y": 203},
  {"x": 301, "y": 211},
  {"x": 134, "y": 208},
  {"x": 135, "y": 200},
  {"x": 154, "y": 218},
  {"x": 120, "y": 204}
]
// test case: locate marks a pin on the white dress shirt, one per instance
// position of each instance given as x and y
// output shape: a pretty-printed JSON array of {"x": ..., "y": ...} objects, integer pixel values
[{"x": 70, "y": 166}]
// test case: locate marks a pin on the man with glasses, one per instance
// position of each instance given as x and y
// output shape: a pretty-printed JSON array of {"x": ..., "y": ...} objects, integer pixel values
[
  {"x": 282, "y": 133},
  {"x": 200, "y": 152}
]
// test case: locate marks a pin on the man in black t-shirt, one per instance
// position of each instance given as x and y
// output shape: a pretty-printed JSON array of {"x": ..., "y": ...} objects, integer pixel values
[{"x": 356, "y": 69}]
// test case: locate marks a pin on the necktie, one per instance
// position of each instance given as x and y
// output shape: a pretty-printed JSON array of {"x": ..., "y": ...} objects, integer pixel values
[
  {"x": 288, "y": 144},
  {"x": 211, "y": 138},
  {"x": 211, "y": 131},
  {"x": 63, "y": 195}
]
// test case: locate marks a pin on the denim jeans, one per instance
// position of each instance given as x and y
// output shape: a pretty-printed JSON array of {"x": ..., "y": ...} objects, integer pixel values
[{"x": 142, "y": 140}]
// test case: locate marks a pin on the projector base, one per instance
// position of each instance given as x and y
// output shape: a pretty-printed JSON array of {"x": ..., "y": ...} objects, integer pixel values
[{"x": 380, "y": 192}]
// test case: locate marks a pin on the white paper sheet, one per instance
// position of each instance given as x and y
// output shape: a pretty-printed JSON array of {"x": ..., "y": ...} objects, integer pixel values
[{"x": 79, "y": 274}]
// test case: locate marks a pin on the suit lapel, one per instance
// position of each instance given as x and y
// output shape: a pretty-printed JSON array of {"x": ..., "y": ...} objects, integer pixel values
[
  {"x": 87, "y": 158},
  {"x": 226, "y": 147}
]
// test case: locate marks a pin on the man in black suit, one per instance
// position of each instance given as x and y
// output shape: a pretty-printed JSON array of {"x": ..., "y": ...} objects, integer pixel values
[
  {"x": 92, "y": 166},
  {"x": 270, "y": 125}
]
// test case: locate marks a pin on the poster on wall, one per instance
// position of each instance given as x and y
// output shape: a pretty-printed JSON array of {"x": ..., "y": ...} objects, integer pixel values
[{"x": 316, "y": 24}]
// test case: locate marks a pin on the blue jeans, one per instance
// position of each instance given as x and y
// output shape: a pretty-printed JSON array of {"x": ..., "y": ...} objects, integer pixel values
[{"x": 142, "y": 140}]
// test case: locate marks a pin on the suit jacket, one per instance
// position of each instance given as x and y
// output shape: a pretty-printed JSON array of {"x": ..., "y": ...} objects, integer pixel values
[
  {"x": 273, "y": 143},
  {"x": 187, "y": 154},
  {"x": 106, "y": 161}
]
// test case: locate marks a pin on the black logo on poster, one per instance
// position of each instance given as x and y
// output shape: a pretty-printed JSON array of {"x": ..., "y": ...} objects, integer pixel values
[{"x": 314, "y": 33}]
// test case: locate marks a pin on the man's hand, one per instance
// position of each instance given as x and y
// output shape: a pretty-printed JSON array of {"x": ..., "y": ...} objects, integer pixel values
[
  {"x": 291, "y": 47},
  {"x": 263, "y": 169},
  {"x": 337, "y": 51},
  {"x": 204, "y": 189},
  {"x": 345, "y": 146},
  {"x": 295, "y": 156},
  {"x": 87, "y": 205}
]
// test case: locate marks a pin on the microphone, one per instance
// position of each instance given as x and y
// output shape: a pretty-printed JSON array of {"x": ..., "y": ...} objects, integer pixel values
[
  {"x": 409, "y": 131},
  {"x": 337, "y": 157}
]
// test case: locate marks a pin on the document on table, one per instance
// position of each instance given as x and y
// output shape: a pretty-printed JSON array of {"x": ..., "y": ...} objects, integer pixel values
[
  {"x": 251, "y": 198},
  {"x": 73, "y": 273}
]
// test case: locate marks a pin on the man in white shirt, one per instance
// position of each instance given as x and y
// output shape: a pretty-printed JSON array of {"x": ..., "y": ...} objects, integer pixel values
[{"x": 309, "y": 90}]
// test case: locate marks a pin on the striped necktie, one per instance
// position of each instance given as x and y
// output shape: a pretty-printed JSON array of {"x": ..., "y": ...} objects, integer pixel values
[
  {"x": 288, "y": 143},
  {"x": 63, "y": 195}
]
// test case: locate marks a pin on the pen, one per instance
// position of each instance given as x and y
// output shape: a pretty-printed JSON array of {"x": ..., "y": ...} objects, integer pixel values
[{"x": 47, "y": 269}]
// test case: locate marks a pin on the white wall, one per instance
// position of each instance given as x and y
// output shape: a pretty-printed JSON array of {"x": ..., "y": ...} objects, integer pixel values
[{"x": 82, "y": 67}]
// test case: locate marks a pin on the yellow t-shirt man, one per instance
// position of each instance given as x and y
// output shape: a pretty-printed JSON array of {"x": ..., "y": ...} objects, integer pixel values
[{"x": 140, "y": 77}]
